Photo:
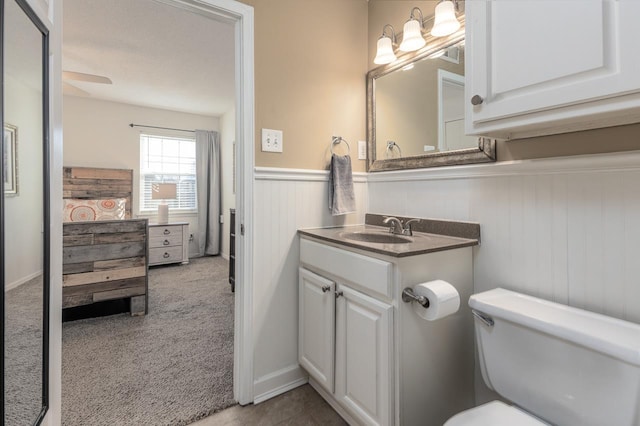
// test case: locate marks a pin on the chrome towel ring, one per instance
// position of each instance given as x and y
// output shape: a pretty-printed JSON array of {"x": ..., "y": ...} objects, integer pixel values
[{"x": 335, "y": 140}]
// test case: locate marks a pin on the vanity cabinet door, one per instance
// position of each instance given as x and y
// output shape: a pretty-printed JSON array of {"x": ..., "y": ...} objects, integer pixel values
[
  {"x": 364, "y": 356},
  {"x": 316, "y": 334},
  {"x": 550, "y": 66}
]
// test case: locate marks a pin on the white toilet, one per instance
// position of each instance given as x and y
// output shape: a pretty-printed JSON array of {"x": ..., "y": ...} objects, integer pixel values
[{"x": 557, "y": 364}]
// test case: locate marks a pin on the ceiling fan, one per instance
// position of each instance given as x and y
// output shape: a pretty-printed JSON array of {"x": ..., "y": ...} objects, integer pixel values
[{"x": 70, "y": 89}]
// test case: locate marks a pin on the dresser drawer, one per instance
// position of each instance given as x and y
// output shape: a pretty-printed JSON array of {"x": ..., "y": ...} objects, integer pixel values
[
  {"x": 165, "y": 255},
  {"x": 165, "y": 241},
  {"x": 165, "y": 231}
]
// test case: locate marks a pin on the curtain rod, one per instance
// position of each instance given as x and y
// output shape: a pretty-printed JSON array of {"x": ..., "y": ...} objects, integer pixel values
[{"x": 163, "y": 128}]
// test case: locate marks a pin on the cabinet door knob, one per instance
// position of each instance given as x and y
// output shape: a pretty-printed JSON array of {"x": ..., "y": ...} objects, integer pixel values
[
  {"x": 326, "y": 288},
  {"x": 339, "y": 293},
  {"x": 167, "y": 232},
  {"x": 477, "y": 100}
]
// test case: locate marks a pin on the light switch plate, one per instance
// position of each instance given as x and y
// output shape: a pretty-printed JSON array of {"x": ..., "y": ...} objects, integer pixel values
[
  {"x": 271, "y": 140},
  {"x": 362, "y": 150}
]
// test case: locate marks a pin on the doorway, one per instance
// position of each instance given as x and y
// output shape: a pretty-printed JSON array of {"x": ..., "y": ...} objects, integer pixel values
[{"x": 241, "y": 18}]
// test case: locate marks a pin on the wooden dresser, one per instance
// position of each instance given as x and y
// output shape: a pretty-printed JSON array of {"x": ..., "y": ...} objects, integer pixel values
[
  {"x": 105, "y": 260},
  {"x": 168, "y": 243}
]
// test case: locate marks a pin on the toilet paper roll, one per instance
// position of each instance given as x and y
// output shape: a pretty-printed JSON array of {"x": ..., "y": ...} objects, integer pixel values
[{"x": 443, "y": 299}]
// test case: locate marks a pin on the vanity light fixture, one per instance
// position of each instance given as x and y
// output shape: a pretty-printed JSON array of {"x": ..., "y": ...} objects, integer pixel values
[
  {"x": 445, "y": 21},
  {"x": 385, "y": 54},
  {"x": 412, "y": 35}
]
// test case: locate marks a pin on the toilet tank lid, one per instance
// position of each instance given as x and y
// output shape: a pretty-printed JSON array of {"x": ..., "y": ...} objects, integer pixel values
[{"x": 617, "y": 338}]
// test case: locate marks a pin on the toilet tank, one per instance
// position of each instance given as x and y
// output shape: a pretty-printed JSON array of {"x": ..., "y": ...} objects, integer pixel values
[{"x": 565, "y": 365}]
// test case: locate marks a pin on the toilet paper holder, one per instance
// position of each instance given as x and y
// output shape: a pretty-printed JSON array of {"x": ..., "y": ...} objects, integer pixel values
[{"x": 408, "y": 296}]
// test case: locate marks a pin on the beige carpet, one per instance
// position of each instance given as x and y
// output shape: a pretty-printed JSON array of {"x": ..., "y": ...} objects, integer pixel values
[
  {"x": 170, "y": 367},
  {"x": 23, "y": 353}
]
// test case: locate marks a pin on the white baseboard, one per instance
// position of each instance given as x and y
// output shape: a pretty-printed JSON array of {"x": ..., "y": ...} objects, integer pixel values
[
  {"x": 21, "y": 281},
  {"x": 278, "y": 383}
]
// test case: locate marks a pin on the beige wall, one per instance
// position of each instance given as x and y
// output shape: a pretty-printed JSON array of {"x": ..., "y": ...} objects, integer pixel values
[
  {"x": 613, "y": 139},
  {"x": 610, "y": 139},
  {"x": 310, "y": 68}
]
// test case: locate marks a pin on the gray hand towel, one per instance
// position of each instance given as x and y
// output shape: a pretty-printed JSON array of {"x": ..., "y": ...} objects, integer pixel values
[{"x": 342, "y": 199}]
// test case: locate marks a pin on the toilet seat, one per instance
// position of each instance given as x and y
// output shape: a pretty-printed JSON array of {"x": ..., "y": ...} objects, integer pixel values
[{"x": 494, "y": 413}]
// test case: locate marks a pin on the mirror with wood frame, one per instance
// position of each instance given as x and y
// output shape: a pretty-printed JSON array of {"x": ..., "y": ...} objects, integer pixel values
[{"x": 415, "y": 110}]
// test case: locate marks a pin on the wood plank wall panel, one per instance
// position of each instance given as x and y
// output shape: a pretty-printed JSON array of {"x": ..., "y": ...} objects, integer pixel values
[
  {"x": 281, "y": 207},
  {"x": 103, "y": 261},
  {"x": 566, "y": 236},
  {"x": 94, "y": 183}
]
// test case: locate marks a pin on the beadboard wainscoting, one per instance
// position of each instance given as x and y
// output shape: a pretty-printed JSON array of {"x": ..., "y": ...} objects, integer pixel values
[
  {"x": 284, "y": 201},
  {"x": 565, "y": 229}
]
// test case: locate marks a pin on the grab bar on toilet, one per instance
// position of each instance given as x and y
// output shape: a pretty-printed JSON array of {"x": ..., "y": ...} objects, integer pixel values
[{"x": 486, "y": 319}]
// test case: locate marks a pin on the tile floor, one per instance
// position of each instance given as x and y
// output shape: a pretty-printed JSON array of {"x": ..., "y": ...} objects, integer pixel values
[{"x": 301, "y": 406}]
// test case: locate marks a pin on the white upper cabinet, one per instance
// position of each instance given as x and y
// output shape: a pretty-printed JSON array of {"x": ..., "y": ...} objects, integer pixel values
[{"x": 537, "y": 67}]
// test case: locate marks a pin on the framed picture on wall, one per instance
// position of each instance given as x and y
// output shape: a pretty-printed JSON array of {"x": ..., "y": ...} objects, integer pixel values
[{"x": 10, "y": 164}]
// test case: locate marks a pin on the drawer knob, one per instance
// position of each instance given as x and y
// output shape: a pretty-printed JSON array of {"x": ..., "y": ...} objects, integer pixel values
[
  {"x": 326, "y": 288},
  {"x": 167, "y": 232},
  {"x": 166, "y": 255},
  {"x": 477, "y": 100},
  {"x": 166, "y": 242}
]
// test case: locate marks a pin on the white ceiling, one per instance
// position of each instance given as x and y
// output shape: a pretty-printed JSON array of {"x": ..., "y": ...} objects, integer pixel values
[{"x": 156, "y": 55}]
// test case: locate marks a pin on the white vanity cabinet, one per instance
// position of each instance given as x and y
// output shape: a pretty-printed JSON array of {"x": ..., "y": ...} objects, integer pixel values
[
  {"x": 367, "y": 352},
  {"x": 345, "y": 336},
  {"x": 546, "y": 67},
  {"x": 317, "y": 325}
]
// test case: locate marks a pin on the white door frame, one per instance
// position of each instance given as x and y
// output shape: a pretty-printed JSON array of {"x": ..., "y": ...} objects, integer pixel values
[
  {"x": 241, "y": 15},
  {"x": 445, "y": 77}
]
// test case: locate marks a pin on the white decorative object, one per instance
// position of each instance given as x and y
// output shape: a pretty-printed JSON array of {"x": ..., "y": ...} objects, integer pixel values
[{"x": 163, "y": 192}]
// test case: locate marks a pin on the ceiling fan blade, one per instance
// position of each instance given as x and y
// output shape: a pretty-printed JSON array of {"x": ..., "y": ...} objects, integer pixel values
[
  {"x": 91, "y": 78},
  {"x": 69, "y": 89}
]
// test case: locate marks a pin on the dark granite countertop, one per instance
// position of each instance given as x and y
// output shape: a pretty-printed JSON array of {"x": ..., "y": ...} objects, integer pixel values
[{"x": 421, "y": 242}]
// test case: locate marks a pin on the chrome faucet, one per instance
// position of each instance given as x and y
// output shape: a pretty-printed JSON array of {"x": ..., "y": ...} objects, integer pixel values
[
  {"x": 399, "y": 228},
  {"x": 396, "y": 224}
]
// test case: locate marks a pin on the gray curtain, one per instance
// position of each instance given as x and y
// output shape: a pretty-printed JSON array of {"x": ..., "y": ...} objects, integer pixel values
[{"x": 209, "y": 191}]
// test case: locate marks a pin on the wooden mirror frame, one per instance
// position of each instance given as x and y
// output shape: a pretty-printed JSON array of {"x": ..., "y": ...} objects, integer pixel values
[{"x": 485, "y": 152}]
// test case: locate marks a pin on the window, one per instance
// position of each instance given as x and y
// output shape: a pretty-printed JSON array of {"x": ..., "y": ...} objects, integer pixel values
[{"x": 165, "y": 159}]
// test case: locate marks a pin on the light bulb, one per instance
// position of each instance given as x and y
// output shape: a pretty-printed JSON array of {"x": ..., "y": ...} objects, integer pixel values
[
  {"x": 412, "y": 36},
  {"x": 445, "y": 22},
  {"x": 384, "y": 53}
]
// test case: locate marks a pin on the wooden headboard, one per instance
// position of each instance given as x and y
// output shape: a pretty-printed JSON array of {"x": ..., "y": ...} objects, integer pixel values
[{"x": 94, "y": 183}]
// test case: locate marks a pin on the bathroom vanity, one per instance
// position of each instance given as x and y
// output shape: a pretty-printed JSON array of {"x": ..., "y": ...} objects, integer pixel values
[{"x": 366, "y": 351}]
